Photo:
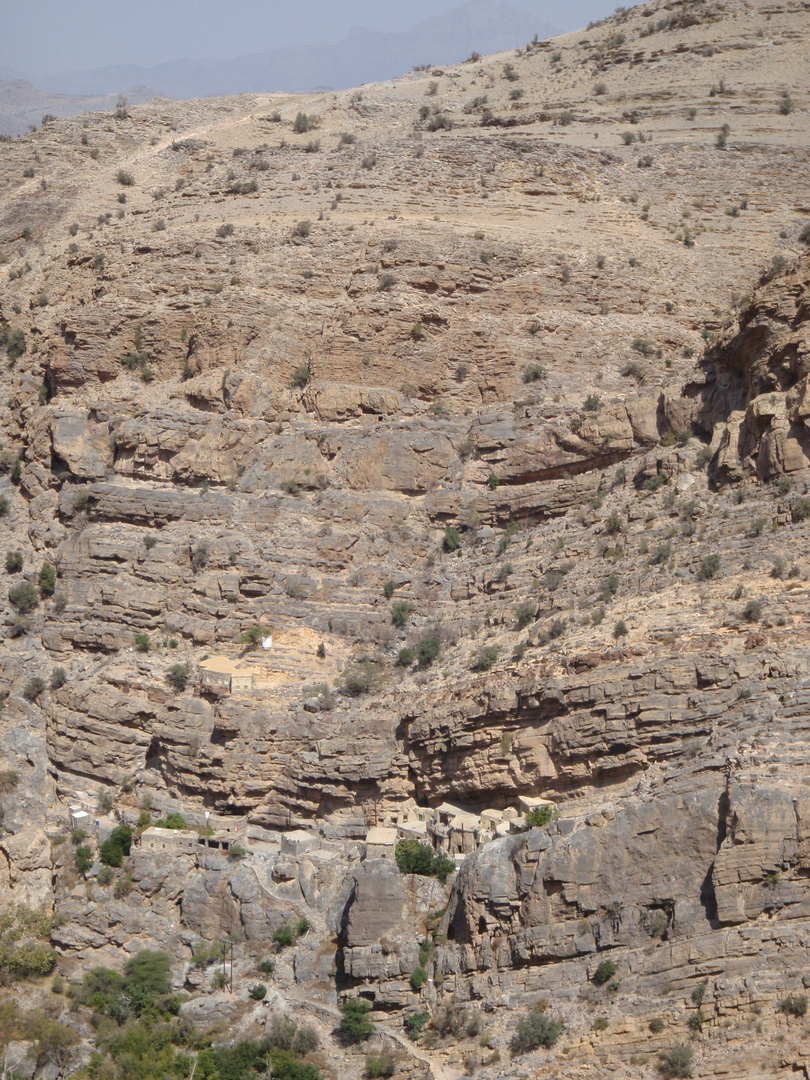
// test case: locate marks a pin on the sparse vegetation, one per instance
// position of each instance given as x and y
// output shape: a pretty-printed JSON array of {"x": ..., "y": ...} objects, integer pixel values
[{"x": 794, "y": 1005}]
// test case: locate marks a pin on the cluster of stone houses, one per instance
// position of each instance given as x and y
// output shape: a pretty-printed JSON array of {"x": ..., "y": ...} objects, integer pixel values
[{"x": 447, "y": 828}]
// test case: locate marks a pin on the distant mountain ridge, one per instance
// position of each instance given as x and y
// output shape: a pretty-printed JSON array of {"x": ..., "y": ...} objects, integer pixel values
[
  {"x": 362, "y": 56},
  {"x": 23, "y": 105}
]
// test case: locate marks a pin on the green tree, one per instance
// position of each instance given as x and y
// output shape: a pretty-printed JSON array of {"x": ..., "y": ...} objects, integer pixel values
[
  {"x": 677, "y": 1062},
  {"x": 23, "y": 597},
  {"x": 147, "y": 977},
  {"x": 83, "y": 858},
  {"x": 605, "y": 971},
  {"x": 178, "y": 676},
  {"x": 536, "y": 1029},
  {"x": 540, "y": 816},
  {"x": 355, "y": 1023},
  {"x": 116, "y": 846},
  {"x": 400, "y": 613},
  {"x": 47, "y": 579},
  {"x": 427, "y": 650},
  {"x": 452, "y": 539}
]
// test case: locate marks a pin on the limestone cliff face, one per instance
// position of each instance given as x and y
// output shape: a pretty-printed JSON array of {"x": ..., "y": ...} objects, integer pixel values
[
  {"x": 514, "y": 391},
  {"x": 752, "y": 400}
]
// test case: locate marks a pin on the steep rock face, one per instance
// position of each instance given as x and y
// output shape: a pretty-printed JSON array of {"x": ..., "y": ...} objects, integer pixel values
[
  {"x": 650, "y": 884},
  {"x": 248, "y": 406},
  {"x": 756, "y": 383}
]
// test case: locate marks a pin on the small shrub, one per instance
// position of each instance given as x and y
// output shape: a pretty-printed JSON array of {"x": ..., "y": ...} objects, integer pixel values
[
  {"x": 800, "y": 510},
  {"x": 355, "y": 1024},
  {"x": 709, "y": 567},
  {"x": 428, "y": 650},
  {"x": 696, "y": 1021},
  {"x": 301, "y": 377},
  {"x": 8, "y": 780},
  {"x": 540, "y": 816},
  {"x": 284, "y": 936},
  {"x": 33, "y": 688},
  {"x": 656, "y": 1025},
  {"x": 359, "y": 679},
  {"x": 143, "y": 643},
  {"x": 592, "y": 403},
  {"x": 178, "y": 676},
  {"x": 493, "y": 481},
  {"x": 418, "y": 978},
  {"x": 752, "y": 612},
  {"x": 440, "y": 122},
  {"x": 380, "y": 1065},
  {"x": 793, "y": 1005},
  {"x": 400, "y": 613},
  {"x": 23, "y": 597},
  {"x": 620, "y": 629},
  {"x": 534, "y": 373},
  {"x": 678, "y": 1062},
  {"x": 605, "y": 972},
  {"x": 225, "y": 230},
  {"x": 83, "y": 858},
  {"x": 14, "y": 562},
  {"x": 452, "y": 539},
  {"x": 126, "y": 179},
  {"x": 614, "y": 523},
  {"x": 58, "y": 678},
  {"x": 600, "y": 1024},
  {"x": 388, "y": 589},
  {"x": 405, "y": 657},
  {"x": 47, "y": 579},
  {"x": 199, "y": 557},
  {"x": 301, "y": 124},
  {"x": 258, "y": 992},
  {"x": 484, "y": 658},
  {"x": 414, "y": 1022},
  {"x": 303, "y": 229},
  {"x": 15, "y": 345},
  {"x": 536, "y": 1029},
  {"x": 525, "y": 613}
]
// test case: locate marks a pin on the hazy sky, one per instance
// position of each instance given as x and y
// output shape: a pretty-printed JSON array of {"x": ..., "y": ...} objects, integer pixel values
[{"x": 47, "y": 37}]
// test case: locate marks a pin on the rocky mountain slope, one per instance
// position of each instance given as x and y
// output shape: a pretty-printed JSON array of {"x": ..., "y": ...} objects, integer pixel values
[{"x": 506, "y": 365}]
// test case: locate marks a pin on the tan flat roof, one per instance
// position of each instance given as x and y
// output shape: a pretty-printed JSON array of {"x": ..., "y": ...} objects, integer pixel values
[
  {"x": 380, "y": 835},
  {"x": 221, "y": 665}
]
